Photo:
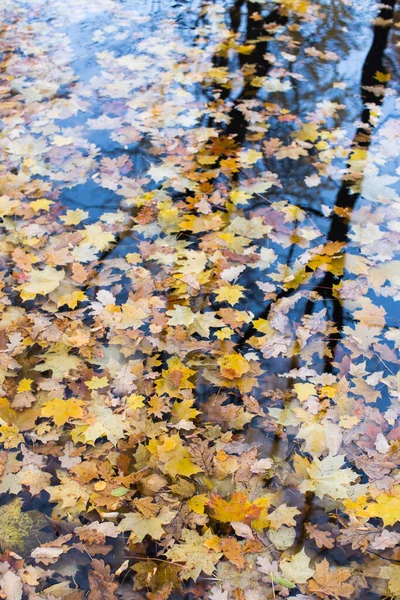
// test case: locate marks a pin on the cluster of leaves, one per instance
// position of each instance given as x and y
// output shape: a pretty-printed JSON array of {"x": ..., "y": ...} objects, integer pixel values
[{"x": 180, "y": 407}]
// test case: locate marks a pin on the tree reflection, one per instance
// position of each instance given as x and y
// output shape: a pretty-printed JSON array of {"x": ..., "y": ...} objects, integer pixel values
[{"x": 337, "y": 226}]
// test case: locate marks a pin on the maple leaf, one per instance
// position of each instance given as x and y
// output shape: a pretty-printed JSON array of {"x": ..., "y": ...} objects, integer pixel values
[
  {"x": 253, "y": 228},
  {"x": 196, "y": 225},
  {"x": 62, "y": 410},
  {"x": 97, "y": 383},
  {"x": 97, "y": 237},
  {"x": 180, "y": 315},
  {"x": 140, "y": 526},
  {"x": 392, "y": 573},
  {"x": 249, "y": 157},
  {"x": 72, "y": 299},
  {"x": 104, "y": 422},
  {"x": 233, "y": 366},
  {"x": 327, "y": 583},
  {"x": 181, "y": 464},
  {"x": 230, "y": 293},
  {"x": 42, "y": 281},
  {"x": 203, "y": 322},
  {"x": 59, "y": 362},
  {"x": 382, "y": 77},
  {"x": 384, "y": 506},
  {"x": 202, "y": 455},
  {"x": 283, "y": 515},
  {"x": 298, "y": 569},
  {"x": 19, "y": 528},
  {"x": 70, "y": 496},
  {"x": 135, "y": 401},
  {"x": 304, "y": 390},
  {"x": 174, "y": 456},
  {"x": 194, "y": 554},
  {"x": 184, "y": 410},
  {"x": 327, "y": 478},
  {"x": 198, "y": 503},
  {"x": 6, "y": 205},
  {"x": 232, "y": 550},
  {"x": 24, "y": 385},
  {"x": 10, "y": 436},
  {"x": 239, "y": 508},
  {"x": 175, "y": 378},
  {"x": 74, "y": 217}
]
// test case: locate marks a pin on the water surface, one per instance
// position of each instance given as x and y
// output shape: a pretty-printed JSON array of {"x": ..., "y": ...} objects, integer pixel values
[{"x": 200, "y": 267}]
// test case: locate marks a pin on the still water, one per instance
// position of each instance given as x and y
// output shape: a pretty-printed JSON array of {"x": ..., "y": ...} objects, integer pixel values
[{"x": 199, "y": 331}]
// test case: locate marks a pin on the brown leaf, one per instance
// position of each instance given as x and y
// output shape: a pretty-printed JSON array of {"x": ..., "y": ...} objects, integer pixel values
[
  {"x": 246, "y": 461},
  {"x": 357, "y": 536},
  {"x": 253, "y": 547},
  {"x": 161, "y": 594},
  {"x": 327, "y": 583},
  {"x": 202, "y": 455},
  {"x": 101, "y": 582},
  {"x": 323, "y": 539},
  {"x": 233, "y": 551}
]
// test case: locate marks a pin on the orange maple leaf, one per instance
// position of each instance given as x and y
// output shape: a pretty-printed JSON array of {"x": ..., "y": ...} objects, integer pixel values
[{"x": 238, "y": 509}]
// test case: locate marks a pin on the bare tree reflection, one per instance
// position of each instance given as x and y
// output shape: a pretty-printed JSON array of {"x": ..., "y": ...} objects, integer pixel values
[{"x": 372, "y": 96}]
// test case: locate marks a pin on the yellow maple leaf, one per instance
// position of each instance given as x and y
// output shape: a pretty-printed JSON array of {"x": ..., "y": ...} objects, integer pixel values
[
  {"x": 42, "y": 281},
  {"x": 239, "y": 197},
  {"x": 382, "y": 77},
  {"x": 71, "y": 497},
  {"x": 7, "y": 206},
  {"x": 384, "y": 506},
  {"x": 233, "y": 365},
  {"x": 175, "y": 378},
  {"x": 304, "y": 390},
  {"x": 392, "y": 574},
  {"x": 72, "y": 299},
  {"x": 74, "y": 217},
  {"x": 249, "y": 157},
  {"x": 180, "y": 315},
  {"x": 135, "y": 401},
  {"x": 283, "y": 515},
  {"x": 62, "y": 410},
  {"x": 184, "y": 410},
  {"x": 96, "y": 383},
  {"x": 230, "y": 293},
  {"x": 133, "y": 258},
  {"x": 298, "y": 568},
  {"x": 224, "y": 334},
  {"x": 140, "y": 526},
  {"x": 238, "y": 508},
  {"x": 41, "y": 204},
  {"x": 59, "y": 361},
  {"x": 158, "y": 406},
  {"x": 326, "y": 477},
  {"x": 262, "y": 521},
  {"x": 24, "y": 385},
  {"x": 182, "y": 464},
  {"x": 196, "y": 553},
  {"x": 199, "y": 224},
  {"x": 174, "y": 457},
  {"x": 97, "y": 237},
  {"x": 10, "y": 436},
  {"x": 198, "y": 503}
]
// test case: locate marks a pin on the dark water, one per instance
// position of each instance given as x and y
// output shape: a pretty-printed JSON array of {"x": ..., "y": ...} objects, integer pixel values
[{"x": 279, "y": 123}]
